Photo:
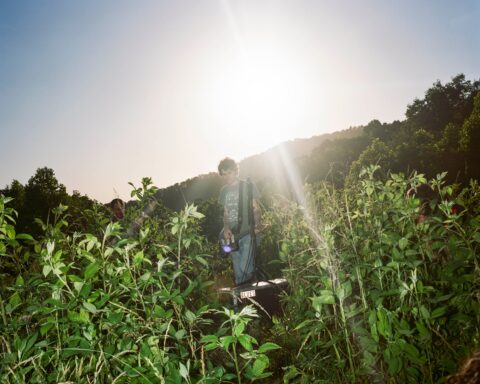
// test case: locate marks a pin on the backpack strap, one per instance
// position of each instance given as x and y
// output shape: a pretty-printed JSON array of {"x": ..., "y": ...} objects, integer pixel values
[
  {"x": 240, "y": 205},
  {"x": 251, "y": 219}
]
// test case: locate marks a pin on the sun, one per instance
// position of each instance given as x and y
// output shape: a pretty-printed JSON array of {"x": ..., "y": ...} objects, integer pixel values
[{"x": 259, "y": 97}]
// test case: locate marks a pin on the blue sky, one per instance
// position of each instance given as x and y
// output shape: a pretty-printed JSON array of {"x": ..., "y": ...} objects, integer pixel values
[{"x": 108, "y": 92}]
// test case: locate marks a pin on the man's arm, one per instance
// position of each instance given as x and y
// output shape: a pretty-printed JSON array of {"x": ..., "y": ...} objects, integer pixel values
[{"x": 227, "y": 232}]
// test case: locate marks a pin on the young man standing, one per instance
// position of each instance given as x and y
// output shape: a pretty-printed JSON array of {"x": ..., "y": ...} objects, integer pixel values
[{"x": 241, "y": 219}]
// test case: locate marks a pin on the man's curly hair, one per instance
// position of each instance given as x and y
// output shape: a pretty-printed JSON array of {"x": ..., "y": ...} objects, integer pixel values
[{"x": 227, "y": 164}]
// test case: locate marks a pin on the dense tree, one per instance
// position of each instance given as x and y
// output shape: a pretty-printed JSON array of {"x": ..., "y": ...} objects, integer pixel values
[
  {"x": 331, "y": 161},
  {"x": 470, "y": 140},
  {"x": 377, "y": 153},
  {"x": 443, "y": 104},
  {"x": 78, "y": 205},
  {"x": 441, "y": 133},
  {"x": 43, "y": 192},
  {"x": 40, "y": 195},
  {"x": 16, "y": 191}
]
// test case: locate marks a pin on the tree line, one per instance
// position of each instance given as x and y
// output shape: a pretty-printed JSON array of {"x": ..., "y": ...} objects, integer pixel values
[{"x": 441, "y": 132}]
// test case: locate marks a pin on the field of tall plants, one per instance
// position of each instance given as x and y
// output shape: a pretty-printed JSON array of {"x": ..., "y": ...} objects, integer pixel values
[{"x": 375, "y": 294}]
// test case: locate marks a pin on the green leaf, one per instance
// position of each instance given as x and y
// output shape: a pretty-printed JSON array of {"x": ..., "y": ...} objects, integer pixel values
[
  {"x": 442, "y": 298},
  {"x": 90, "y": 307},
  {"x": 344, "y": 291},
  {"x": 145, "y": 277},
  {"x": 138, "y": 258},
  {"x": 422, "y": 330},
  {"x": 412, "y": 353},
  {"x": 209, "y": 339},
  {"x": 419, "y": 286},
  {"x": 368, "y": 344},
  {"x": 248, "y": 311},
  {"x": 24, "y": 236},
  {"x": 226, "y": 341},
  {"x": 100, "y": 303},
  {"x": 259, "y": 365},
  {"x": 14, "y": 301},
  {"x": 303, "y": 324},
  {"x": 45, "y": 328},
  {"x": 108, "y": 252},
  {"x": 210, "y": 346},
  {"x": 78, "y": 317},
  {"x": 178, "y": 299},
  {"x": 476, "y": 237},
  {"x": 393, "y": 361},
  {"x": 290, "y": 374},
  {"x": 402, "y": 243},
  {"x": 190, "y": 316},
  {"x": 180, "y": 334},
  {"x": 424, "y": 312},
  {"x": 91, "y": 270},
  {"x": 239, "y": 328},
  {"x": 78, "y": 286},
  {"x": 189, "y": 289},
  {"x": 30, "y": 341},
  {"x": 50, "y": 247},
  {"x": 268, "y": 347},
  {"x": 383, "y": 323},
  {"x": 246, "y": 341},
  {"x": 326, "y": 297},
  {"x": 145, "y": 351},
  {"x": 85, "y": 291},
  {"x": 438, "y": 312},
  {"x": 175, "y": 229},
  {"x": 19, "y": 281},
  {"x": 46, "y": 270},
  {"x": 10, "y": 232},
  {"x": 201, "y": 260},
  {"x": 115, "y": 317},
  {"x": 183, "y": 371}
]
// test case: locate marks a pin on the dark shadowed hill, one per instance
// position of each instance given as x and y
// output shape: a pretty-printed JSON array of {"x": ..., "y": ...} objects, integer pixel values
[{"x": 273, "y": 167}]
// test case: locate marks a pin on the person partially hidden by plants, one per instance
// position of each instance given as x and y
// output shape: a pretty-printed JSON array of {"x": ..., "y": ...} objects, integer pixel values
[
  {"x": 427, "y": 197},
  {"x": 430, "y": 202},
  {"x": 117, "y": 208},
  {"x": 137, "y": 223},
  {"x": 117, "y": 213},
  {"x": 241, "y": 220}
]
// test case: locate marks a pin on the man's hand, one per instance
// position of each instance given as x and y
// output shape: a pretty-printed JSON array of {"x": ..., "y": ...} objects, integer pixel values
[{"x": 227, "y": 234}]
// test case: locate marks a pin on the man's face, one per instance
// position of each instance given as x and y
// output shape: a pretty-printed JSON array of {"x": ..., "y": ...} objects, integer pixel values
[
  {"x": 229, "y": 175},
  {"x": 118, "y": 211}
]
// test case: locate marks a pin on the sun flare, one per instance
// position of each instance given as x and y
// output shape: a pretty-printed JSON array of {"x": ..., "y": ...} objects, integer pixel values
[{"x": 260, "y": 94}]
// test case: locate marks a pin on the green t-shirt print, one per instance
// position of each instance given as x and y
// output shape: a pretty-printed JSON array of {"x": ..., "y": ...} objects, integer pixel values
[{"x": 229, "y": 197}]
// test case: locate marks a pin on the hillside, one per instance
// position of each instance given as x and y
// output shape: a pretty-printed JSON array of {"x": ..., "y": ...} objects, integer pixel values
[
  {"x": 259, "y": 168},
  {"x": 441, "y": 133}
]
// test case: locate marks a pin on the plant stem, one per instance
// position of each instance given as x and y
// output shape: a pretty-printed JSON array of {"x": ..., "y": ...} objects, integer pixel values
[{"x": 2, "y": 308}]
